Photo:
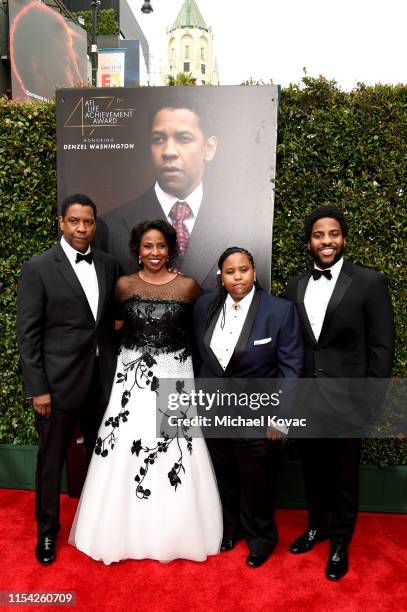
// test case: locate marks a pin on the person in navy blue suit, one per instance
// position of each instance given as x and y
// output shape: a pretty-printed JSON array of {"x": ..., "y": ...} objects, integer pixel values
[{"x": 242, "y": 332}]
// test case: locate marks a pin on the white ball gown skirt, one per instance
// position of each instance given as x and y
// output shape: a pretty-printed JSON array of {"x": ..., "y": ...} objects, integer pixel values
[{"x": 147, "y": 497}]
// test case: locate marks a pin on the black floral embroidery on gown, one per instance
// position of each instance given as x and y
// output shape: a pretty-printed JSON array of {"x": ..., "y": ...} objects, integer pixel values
[{"x": 158, "y": 320}]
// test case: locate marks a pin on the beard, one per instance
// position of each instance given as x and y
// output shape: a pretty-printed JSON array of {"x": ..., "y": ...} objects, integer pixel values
[{"x": 321, "y": 264}]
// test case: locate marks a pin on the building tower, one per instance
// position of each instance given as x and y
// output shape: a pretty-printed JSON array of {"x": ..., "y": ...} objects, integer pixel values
[{"x": 190, "y": 47}]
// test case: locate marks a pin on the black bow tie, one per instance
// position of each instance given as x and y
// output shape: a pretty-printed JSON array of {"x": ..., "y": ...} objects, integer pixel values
[
  {"x": 316, "y": 274},
  {"x": 80, "y": 257}
]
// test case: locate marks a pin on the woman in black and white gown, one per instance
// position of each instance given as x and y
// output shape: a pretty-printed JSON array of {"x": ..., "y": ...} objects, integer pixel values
[{"x": 147, "y": 497}]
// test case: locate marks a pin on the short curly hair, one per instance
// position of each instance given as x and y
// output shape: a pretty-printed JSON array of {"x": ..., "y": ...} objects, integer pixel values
[
  {"x": 328, "y": 210},
  {"x": 167, "y": 231},
  {"x": 175, "y": 100},
  {"x": 77, "y": 198}
]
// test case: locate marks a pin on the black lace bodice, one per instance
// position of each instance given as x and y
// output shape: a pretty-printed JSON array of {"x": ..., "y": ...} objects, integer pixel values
[
  {"x": 160, "y": 316},
  {"x": 165, "y": 325}
]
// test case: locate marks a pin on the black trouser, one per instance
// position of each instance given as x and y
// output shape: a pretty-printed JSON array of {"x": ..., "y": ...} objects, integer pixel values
[
  {"x": 331, "y": 474},
  {"x": 55, "y": 434},
  {"x": 245, "y": 471}
]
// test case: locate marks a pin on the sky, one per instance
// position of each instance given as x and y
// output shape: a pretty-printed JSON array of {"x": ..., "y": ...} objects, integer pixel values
[{"x": 344, "y": 40}]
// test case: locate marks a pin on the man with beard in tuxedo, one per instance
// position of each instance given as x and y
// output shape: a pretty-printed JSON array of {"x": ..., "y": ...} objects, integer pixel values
[{"x": 347, "y": 326}]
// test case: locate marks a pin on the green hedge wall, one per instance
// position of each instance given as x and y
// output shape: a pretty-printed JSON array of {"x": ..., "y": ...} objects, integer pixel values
[
  {"x": 27, "y": 226},
  {"x": 348, "y": 149}
]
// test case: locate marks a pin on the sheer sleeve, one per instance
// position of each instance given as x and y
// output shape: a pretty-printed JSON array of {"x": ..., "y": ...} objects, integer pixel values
[
  {"x": 158, "y": 316},
  {"x": 180, "y": 288}
]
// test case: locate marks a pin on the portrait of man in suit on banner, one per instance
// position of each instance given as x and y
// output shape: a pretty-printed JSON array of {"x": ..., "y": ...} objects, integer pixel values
[{"x": 200, "y": 161}]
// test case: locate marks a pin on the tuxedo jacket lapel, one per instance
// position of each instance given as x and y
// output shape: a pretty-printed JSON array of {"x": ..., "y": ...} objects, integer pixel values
[
  {"x": 240, "y": 344},
  {"x": 302, "y": 286},
  {"x": 66, "y": 271},
  {"x": 244, "y": 334},
  {"x": 342, "y": 285},
  {"x": 101, "y": 276},
  {"x": 207, "y": 343}
]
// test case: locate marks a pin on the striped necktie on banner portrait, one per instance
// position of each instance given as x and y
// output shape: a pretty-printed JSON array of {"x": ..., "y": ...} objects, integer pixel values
[{"x": 178, "y": 213}]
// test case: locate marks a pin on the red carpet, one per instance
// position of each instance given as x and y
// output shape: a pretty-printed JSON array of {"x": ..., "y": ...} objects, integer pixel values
[{"x": 377, "y": 579}]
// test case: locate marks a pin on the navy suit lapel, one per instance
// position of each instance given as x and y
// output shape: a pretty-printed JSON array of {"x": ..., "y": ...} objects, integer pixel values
[
  {"x": 301, "y": 288},
  {"x": 207, "y": 343},
  {"x": 244, "y": 334}
]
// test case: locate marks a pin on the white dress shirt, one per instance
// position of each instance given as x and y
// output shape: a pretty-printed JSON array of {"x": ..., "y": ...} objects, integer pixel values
[
  {"x": 86, "y": 274},
  {"x": 317, "y": 296},
  {"x": 167, "y": 201},
  {"x": 223, "y": 341}
]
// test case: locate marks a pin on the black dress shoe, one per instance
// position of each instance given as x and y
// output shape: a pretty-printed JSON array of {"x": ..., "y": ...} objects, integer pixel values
[
  {"x": 45, "y": 550},
  {"x": 227, "y": 544},
  {"x": 337, "y": 565},
  {"x": 255, "y": 560},
  {"x": 306, "y": 542}
]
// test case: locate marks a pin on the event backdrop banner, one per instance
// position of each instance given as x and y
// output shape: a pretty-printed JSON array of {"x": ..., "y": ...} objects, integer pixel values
[{"x": 137, "y": 151}]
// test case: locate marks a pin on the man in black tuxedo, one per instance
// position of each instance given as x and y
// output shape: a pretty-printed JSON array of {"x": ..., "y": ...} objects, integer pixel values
[
  {"x": 347, "y": 325},
  {"x": 65, "y": 321},
  {"x": 181, "y": 145}
]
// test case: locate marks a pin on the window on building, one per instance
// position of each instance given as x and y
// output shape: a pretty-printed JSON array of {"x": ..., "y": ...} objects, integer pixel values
[
  {"x": 187, "y": 67},
  {"x": 203, "y": 54},
  {"x": 186, "y": 52},
  {"x": 203, "y": 68},
  {"x": 202, "y": 82}
]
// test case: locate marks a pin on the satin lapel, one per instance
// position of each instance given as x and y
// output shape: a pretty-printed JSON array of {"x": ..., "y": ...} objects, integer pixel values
[
  {"x": 207, "y": 342},
  {"x": 342, "y": 285},
  {"x": 301, "y": 288},
  {"x": 101, "y": 276},
  {"x": 244, "y": 334},
  {"x": 66, "y": 270}
]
